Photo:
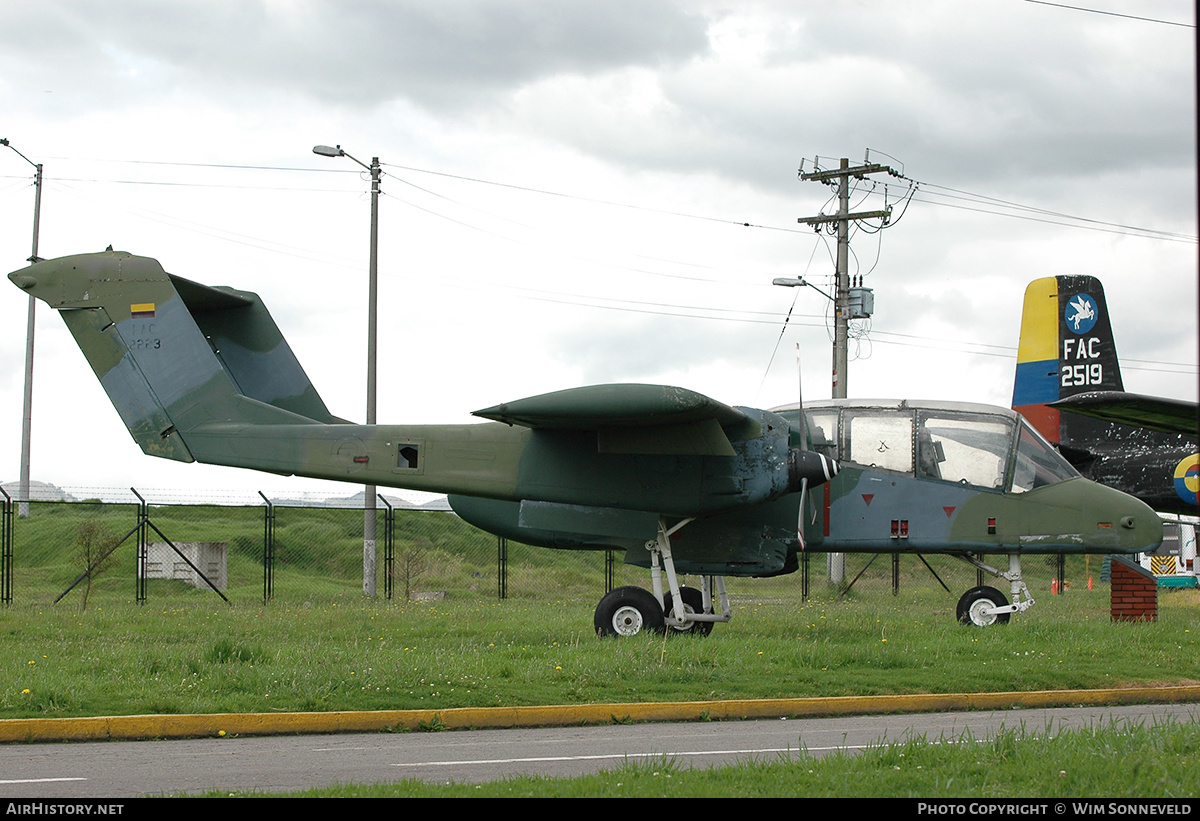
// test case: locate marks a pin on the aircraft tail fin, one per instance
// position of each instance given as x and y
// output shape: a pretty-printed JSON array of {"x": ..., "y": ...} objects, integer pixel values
[
  {"x": 173, "y": 354},
  {"x": 1066, "y": 348}
]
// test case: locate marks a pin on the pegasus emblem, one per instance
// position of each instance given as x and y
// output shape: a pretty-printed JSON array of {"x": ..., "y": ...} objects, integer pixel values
[{"x": 1084, "y": 310}]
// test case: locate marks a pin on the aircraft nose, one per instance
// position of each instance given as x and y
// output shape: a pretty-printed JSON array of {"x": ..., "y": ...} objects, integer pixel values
[{"x": 1134, "y": 523}]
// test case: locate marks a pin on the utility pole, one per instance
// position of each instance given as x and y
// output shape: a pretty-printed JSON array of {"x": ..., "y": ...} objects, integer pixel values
[{"x": 840, "y": 179}]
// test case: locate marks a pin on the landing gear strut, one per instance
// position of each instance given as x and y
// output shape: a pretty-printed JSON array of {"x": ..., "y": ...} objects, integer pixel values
[
  {"x": 628, "y": 611},
  {"x": 693, "y": 603},
  {"x": 984, "y": 606}
]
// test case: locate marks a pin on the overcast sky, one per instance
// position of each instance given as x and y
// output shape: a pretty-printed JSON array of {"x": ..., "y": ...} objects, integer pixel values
[{"x": 583, "y": 192}]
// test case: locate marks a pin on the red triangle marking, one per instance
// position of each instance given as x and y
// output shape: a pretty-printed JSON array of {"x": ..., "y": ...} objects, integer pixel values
[
  {"x": 949, "y": 511},
  {"x": 867, "y": 497}
]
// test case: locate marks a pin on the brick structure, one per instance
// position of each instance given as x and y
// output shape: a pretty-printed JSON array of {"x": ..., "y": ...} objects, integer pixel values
[{"x": 1134, "y": 591}]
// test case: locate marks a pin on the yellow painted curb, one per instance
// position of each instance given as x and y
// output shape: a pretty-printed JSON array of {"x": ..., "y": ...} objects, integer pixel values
[{"x": 246, "y": 724}]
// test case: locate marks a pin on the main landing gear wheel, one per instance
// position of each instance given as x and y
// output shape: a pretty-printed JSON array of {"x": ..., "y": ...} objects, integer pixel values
[
  {"x": 628, "y": 611},
  {"x": 973, "y": 607},
  {"x": 693, "y": 602}
]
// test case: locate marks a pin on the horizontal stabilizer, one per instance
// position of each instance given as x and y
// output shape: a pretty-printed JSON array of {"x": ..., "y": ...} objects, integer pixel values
[{"x": 1153, "y": 412}]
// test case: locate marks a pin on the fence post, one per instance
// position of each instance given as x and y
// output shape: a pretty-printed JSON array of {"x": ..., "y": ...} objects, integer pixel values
[
  {"x": 389, "y": 546},
  {"x": 143, "y": 549},
  {"x": 501, "y": 567},
  {"x": 268, "y": 550},
  {"x": 804, "y": 576},
  {"x": 6, "y": 551}
]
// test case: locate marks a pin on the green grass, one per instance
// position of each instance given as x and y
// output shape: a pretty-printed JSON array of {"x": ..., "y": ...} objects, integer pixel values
[
  {"x": 1108, "y": 762},
  {"x": 201, "y": 656},
  {"x": 320, "y": 646}
]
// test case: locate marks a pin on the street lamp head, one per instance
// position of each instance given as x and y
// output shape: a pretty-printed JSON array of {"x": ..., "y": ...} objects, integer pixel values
[
  {"x": 328, "y": 151},
  {"x": 788, "y": 282},
  {"x": 3, "y": 140}
]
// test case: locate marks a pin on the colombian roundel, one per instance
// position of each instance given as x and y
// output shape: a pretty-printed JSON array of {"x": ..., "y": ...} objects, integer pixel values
[{"x": 1187, "y": 479}]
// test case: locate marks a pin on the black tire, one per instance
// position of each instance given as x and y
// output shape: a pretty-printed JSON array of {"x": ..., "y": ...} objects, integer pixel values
[
  {"x": 693, "y": 602},
  {"x": 628, "y": 611},
  {"x": 975, "y": 601}
]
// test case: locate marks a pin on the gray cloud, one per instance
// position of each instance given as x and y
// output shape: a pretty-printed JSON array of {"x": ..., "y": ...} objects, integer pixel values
[
  {"x": 977, "y": 100},
  {"x": 444, "y": 56}
]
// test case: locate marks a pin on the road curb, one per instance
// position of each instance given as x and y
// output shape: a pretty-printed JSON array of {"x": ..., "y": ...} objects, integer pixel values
[{"x": 106, "y": 728}]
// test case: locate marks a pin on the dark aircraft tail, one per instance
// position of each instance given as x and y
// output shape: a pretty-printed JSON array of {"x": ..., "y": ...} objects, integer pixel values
[
  {"x": 1066, "y": 348},
  {"x": 1068, "y": 385}
]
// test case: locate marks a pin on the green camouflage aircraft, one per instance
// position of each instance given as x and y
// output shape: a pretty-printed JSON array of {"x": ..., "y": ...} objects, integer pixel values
[{"x": 682, "y": 483}]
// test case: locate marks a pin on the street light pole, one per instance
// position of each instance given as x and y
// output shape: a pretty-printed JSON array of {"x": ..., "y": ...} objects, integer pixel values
[
  {"x": 839, "y": 339},
  {"x": 835, "y": 562},
  {"x": 27, "y": 411},
  {"x": 369, "y": 491}
]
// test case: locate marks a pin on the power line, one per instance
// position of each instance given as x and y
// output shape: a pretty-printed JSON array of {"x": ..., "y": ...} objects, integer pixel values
[
  {"x": 675, "y": 310},
  {"x": 1113, "y": 14},
  {"x": 596, "y": 201},
  {"x": 1093, "y": 224},
  {"x": 1057, "y": 218},
  {"x": 683, "y": 311}
]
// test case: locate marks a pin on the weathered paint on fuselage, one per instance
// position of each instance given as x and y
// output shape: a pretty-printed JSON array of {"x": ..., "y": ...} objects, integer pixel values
[
  {"x": 202, "y": 373},
  {"x": 871, "y": 512},
  {"x": 874, "y": 511}
]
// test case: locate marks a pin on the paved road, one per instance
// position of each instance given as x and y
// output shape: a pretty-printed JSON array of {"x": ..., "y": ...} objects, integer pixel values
[{"x": 282, "y": 763}]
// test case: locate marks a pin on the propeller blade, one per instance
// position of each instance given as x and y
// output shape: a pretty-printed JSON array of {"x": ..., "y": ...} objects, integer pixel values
[
  {"x": 800, "y": 515},
  {"x": 803, "y": 446}
]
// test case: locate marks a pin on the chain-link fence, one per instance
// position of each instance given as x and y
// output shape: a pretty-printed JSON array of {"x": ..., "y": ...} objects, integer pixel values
[{"x": 110, "y": 552}]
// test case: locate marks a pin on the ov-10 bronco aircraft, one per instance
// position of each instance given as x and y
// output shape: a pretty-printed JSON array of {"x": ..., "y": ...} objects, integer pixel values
[{"x": 682, "y": 483}]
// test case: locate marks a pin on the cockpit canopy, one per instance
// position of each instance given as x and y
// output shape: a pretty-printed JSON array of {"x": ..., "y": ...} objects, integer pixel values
[{"x": 976, "y": 445}]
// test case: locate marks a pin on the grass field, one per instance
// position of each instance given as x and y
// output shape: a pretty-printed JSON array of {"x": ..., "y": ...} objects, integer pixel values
[
  {"x": 186, "y": 652},
  {"x": 198, "y": 655},
  {"x": 318, "y": 645}
]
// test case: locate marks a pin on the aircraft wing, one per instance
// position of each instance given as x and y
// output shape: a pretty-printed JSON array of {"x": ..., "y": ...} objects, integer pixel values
[
  {"x": 1153, "y": 412},
  {"x": 628, "y": 418}
]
